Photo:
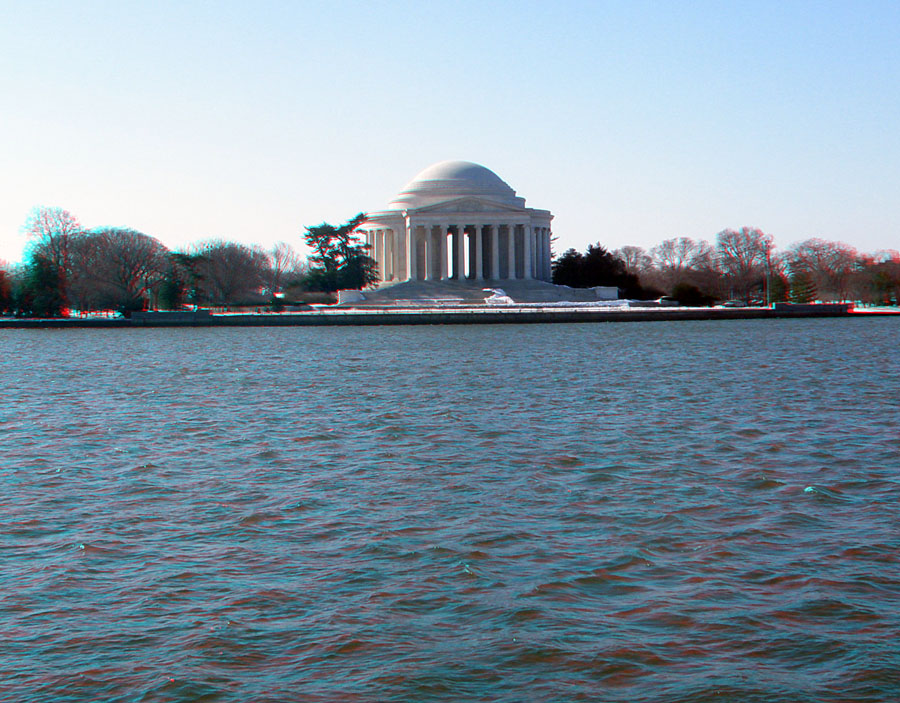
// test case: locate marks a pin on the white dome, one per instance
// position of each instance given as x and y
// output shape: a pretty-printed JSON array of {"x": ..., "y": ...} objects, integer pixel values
[{"x": 449, "y": 180}]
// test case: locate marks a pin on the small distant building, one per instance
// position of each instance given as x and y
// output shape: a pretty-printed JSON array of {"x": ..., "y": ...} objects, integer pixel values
[{"x": 459, "y": 221}]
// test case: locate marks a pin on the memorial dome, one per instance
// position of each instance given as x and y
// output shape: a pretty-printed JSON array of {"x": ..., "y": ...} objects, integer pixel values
[
  {"x": 449, "y": 180},
  {"x": 457, "y": 220}
]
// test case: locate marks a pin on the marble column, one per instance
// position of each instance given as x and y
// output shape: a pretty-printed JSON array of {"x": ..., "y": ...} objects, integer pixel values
[
  {"x": 445, "y": 273},
  {"x": 437, "y": 253},
  {"x": 479, "y": 253},
  {"x": 526, "y": 254},
  {"x": 511, "y": 246},
  {"x": 392, "y": 250},
  {"x": 412, "y": 269},
  {"x": 495, "y": 252},
  {"x": 399, "y": 255},
  {"x": 470, "y": 251},
  {"x": 397, "y": 259},
  {"x": 461, "y": 252},
  {"x": 429, "y": 254}
]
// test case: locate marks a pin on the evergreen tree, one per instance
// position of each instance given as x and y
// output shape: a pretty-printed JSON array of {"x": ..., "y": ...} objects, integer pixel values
[
  {"x": 188, "y": 266},
  {"x": 596, "y": 267},
  {"x": 567, "y": 269},
  {"x": 339, "y": 261},
  {"x": 779, "y": 288},
  {"x": 171, "y": 291},
  {"x": 6, "y": 297},
  {"x": 41, "y": 292},
  {"x": 803, "y": 288}
]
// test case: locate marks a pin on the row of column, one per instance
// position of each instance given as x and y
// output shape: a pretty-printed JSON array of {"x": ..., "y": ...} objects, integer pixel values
[
  {"x": 445, "y": 251},
  {"x": 387, "y": 252},
  {"x": 492, "y": 251}
]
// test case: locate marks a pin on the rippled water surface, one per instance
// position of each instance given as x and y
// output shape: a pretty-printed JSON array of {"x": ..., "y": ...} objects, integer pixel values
[{"x": 668, "y": 511}]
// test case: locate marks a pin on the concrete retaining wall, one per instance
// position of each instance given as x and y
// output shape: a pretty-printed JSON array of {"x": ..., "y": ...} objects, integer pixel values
[
  {"x": 465, "y": 316},
  {"x": 170, "y": 318}
]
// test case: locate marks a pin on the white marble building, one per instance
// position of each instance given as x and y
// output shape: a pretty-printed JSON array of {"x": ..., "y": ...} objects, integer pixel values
[{"x": 459, "y": 221}]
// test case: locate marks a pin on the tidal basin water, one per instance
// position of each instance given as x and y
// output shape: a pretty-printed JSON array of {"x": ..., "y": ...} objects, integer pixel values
[{"x": 669, "y": 511}]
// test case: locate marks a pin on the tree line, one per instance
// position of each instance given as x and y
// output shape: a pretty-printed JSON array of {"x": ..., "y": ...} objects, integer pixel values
[
  {"x": 108, "y": 268},
  {"x": 742, "y": 265},
  {"x": 68, "y": 268}
]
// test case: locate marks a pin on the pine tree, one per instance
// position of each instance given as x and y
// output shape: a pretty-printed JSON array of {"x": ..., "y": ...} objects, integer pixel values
[
  {"x": 171, "y": 292},
  {"x": 803, "y": 288},
  {"x": 41, "y": 293},
  {"x": 339, "y": 260}
]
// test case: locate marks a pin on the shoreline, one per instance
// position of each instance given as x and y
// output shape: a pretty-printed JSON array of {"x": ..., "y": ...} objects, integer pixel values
[{"x": 411, "y": 315}]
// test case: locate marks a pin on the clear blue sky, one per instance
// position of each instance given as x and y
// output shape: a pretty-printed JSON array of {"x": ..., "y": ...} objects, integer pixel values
[{"x": 632, "y": 121}]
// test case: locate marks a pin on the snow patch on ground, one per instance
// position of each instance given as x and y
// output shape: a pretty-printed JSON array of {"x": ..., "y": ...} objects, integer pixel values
[{"x": 498, "y": 297}]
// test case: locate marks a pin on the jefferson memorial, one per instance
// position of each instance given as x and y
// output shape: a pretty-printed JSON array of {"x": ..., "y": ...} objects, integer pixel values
[{"x": 458, "y": 221}]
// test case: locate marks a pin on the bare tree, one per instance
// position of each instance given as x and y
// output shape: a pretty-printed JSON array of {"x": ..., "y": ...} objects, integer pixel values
[
  {"x": 636, "y": 259},
  {"x": 672, "y": 258},
  {"x": 85, "y": 289},
  {"x": 703, "y": 270},
  {"x": 674, "y": 255},
  {"x": 830, "y": 264},
  {"x": 115, "y": 268},
  {"x": 231, "y": 273},
  {"x": 131, "y": 263},
  {"x": 284, "y": 264},
  {"x": 744, "y": 256},
  {"x": 52, "y": 231}
]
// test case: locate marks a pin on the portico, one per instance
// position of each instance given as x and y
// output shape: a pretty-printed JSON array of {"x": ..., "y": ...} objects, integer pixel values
[{"x": 459, "y": 221}]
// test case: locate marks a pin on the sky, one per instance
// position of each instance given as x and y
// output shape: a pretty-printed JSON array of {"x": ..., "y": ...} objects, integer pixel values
[{"x": 631, "y": 121}]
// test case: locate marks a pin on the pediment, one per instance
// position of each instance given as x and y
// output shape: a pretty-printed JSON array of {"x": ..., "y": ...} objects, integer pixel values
[{"x": 467, "y": 204}]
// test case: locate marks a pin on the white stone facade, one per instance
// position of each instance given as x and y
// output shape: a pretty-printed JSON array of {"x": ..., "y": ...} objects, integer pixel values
[{"x": 459, "y": 221}]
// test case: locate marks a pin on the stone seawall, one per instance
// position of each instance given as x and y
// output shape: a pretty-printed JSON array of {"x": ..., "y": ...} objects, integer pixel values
[{"x": 451, "y": 316}]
